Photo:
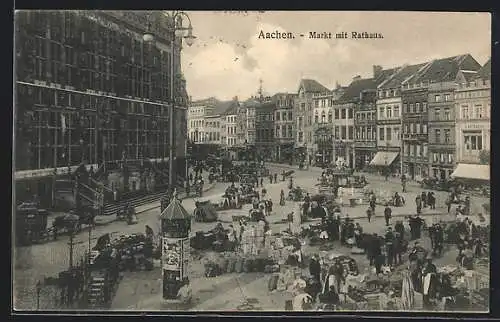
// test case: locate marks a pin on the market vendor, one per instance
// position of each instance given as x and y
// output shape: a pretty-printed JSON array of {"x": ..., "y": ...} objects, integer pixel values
[{"x": 429, "y": 280}]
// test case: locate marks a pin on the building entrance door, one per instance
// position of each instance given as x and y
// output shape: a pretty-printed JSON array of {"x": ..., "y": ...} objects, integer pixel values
[{"x": 411, "y": 170}]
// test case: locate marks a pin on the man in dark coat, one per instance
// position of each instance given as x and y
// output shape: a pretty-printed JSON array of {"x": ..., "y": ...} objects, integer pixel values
[
  {"x": 400, "y": 229},
  {"x": 397, "y": 249},
  {"x": 389, "y": 244},
  {"x": 374, "y": 248},
  {"x": 387, "y": 214},
  {"x": 315, "y": 268},
  {"x": 372, "y": 205},
  {"x": 418, "y": 203},
  {"x": 431, "y": 200},
  {"x": 419, "y": 222},
  {"x": 275, "y": 178},
  {"x": 424, "y": 199}
]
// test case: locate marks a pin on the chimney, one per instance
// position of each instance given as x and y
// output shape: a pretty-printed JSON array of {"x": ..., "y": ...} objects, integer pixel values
[
  {"x": 190, "y": 98},
  {"x": 337, "y": 85},
  {"x": 377, "y": 70},
  {"x": 235, "y": 98},
  {"x": 355, "y": 78}
]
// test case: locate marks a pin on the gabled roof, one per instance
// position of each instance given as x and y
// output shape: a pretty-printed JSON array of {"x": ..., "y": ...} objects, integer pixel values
[
  {"x": 444, "y": 70},
  {"x": 399, "y": 75},
  {"x": 468, "y": 75},
  {"x": 232, "y": 109},
  {"x": 385, "y": 74},
  {"x": 312, "y": 86},
  {"x": 222, "y": 106},
  {"x": 353, "y": 91},
  {"x": 175, "y": 211},
  {"x": 485, "y": 70}
]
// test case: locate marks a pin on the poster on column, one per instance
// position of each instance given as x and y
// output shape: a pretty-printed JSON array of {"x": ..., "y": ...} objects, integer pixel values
[
  {"x": 171, "y": 253},
  {"x": 186, "y": 251}
]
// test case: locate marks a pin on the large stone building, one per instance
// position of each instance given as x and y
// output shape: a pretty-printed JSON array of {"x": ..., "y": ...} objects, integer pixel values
[
  {"x": 284, "y": 126},
  {"x": 473, "y": 116},
  {"x": 390, "y": 110},
  {"x": 197, "y": 112},
  {"x": 441, "y": 107},
  {"x": 229, "y": 128},
  {"x": 323, "y": 125},
  {"x": 303, "y": 109},
  {"x": 90, "y": 91},
  {"x": 213, "y": 125},
  {"x": 415, "y": 95},
  {"x": 365, "y": 120},
  {"x": 264, "y": 129},
  {"x": 343, "y": 120}
]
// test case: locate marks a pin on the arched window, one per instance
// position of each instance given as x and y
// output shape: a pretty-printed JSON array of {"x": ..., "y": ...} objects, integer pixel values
[
  {"x": 323, "y": 117},
  {"x": 316, "y": 117},
  {"x": 330, "y": 117}
]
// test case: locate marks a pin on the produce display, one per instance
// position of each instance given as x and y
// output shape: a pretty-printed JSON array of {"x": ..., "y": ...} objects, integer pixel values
[{"x": 348, "y": 263}]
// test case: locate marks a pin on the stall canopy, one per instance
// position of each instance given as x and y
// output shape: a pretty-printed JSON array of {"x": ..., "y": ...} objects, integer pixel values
[
  {"x": 384, "y": 158},
  {"x": 472, "y": 171}
]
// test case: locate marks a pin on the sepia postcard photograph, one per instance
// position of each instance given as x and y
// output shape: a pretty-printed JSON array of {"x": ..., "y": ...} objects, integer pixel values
[{"x": 251, "y": 161}]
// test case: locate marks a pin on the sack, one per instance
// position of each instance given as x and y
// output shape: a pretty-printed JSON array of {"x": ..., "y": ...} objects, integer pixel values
[{"x": 273, "y": 282}]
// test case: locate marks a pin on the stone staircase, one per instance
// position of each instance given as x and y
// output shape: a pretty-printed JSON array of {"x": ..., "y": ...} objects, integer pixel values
[{"x": 112, "y": 208}]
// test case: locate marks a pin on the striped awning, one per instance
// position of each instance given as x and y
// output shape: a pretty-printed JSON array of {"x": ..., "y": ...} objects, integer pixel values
[
  {"x": 472, "y": 171},
  {"x": 383, "y": 158}
]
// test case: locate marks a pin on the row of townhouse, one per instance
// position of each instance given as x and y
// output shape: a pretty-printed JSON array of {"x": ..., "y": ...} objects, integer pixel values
[{"x": 420, "y": 119}]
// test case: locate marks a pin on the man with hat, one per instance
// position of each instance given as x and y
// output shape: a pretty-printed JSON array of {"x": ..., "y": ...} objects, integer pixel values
[
  {"x": 387, "y": 214},
  {"x": 389, "y": 244}
]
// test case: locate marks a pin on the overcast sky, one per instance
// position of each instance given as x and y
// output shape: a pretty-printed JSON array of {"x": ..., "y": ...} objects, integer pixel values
[{"x": 228, "y": 59}]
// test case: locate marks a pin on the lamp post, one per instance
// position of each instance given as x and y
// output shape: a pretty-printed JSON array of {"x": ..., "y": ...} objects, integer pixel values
[{"x": 177, "y": 31}]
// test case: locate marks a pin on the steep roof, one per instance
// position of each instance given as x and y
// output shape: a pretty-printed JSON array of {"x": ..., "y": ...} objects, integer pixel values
[
  {"x": 385, "y": 74},
  {"x": 222, "y": 106},
  {"x": 313, "y": 86},
  {"x": 468, "y": 75},
  {"x": 174, "y": 211},
  {"x": 232, "y": 109},
  {"x": 485, "y": 70},
  {"x": 444, "y": 69},
  {"x": 399, "y": 75},
  {"x": 353, "y": 91}
]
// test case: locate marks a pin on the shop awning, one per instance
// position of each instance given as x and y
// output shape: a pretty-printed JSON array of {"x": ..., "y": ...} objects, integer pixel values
[
  {"x": 472, "y": 171},
  {"x": 384, "y": 158}
]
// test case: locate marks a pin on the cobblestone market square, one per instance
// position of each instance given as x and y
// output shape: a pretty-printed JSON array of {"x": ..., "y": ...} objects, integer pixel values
[{"x": 251, "y": 161}]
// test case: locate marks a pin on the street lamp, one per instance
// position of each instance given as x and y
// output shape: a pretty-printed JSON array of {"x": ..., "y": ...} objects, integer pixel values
[{"x": 176, "y": 31}]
